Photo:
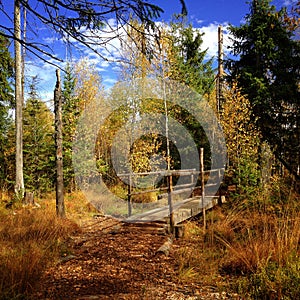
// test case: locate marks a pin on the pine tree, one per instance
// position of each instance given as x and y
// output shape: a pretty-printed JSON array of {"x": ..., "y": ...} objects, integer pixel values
[
  {"x": 189, "y": 64},
  {"x": 39, "y": 151}
]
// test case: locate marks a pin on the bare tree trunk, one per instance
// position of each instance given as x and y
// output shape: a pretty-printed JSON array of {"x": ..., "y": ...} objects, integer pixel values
[
  {"x": 19, "y": 184},
  {"x": 60, "y": 206},
  {"x": 24, "y": 50}
]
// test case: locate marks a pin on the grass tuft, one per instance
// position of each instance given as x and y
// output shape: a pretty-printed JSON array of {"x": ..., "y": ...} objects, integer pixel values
[
  {"x": 30, "y": 240},
  {"x": 253, "y": 250}
]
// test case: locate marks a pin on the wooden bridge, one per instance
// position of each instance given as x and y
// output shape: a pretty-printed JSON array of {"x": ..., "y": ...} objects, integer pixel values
[
  {"x": 176, "y": 208},
  {"x": 182, "y": 211}
]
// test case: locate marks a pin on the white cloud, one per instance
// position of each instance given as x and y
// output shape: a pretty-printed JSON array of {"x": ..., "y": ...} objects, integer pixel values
[
  {"x": 110, "y": 52},
  {"x": 210, "y": 38},
  {"x": 109, "y": 82},
  {"x": 199, "y": 21},
  {"x": 46, "y": 80}
]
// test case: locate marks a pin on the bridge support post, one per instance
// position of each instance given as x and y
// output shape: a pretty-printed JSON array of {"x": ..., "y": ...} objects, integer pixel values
[
  {"x": 129, "y": 195},
  {"x": 202, "y": 186},
  {"x": 170, "y": 202}
]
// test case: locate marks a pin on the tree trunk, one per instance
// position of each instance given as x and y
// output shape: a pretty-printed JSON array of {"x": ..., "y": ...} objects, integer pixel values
[
  {"x": 19, "y": 184},
  {"x": 24, "y": 50},
  {"x": 60, "y": 206}
]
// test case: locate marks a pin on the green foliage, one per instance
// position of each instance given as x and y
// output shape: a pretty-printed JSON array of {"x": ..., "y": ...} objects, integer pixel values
[
  {"x": 6, "y": 73},
  {"x": 83, "y": 97},
  {"x": 256, "y": 251},
  {"x": 267, "y": 71},
  {"x": 81, "y": 87},
  {"x": 89, "y": 17},
  {"x": 7, "y": 156},
  {"x": 70, "y": 114},
  {"x": 273, "y": 281},
  {"x": 188, "y": 61},
  {"x": 6, "y": 101},
  {"x": 38, "y": 148}
]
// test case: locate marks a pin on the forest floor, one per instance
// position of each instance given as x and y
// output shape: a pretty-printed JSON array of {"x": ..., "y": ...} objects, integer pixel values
[{"x": 107, "y": 259}]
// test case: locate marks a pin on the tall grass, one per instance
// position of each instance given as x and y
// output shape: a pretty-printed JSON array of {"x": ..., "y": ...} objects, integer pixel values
[
  {"x": 256, "y": 246},
  {"x": 29, "y": 240}
]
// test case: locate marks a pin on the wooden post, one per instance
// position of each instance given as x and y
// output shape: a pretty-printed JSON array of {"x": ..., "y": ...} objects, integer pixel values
[
  {"x": 192, "y": 182},
  {"x": 202, "y": 186},
  {"x": 170, "y": 189},
  {"x": 179, "y": 231},
  {"x": 220, "y": 68},
  {"x": 60, "y": 206},
  {"x": 129, "y": 196}
]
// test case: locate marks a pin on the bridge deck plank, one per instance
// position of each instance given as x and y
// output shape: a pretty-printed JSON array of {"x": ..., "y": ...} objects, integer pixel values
[{"x": 182, "y": 211}]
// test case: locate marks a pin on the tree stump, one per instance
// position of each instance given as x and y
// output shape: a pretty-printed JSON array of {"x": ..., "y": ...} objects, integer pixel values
[{"x": 29, "y": 198}]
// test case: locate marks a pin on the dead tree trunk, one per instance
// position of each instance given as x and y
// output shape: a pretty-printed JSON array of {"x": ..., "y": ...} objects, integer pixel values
[
  {"x": 19, "y": 184},
  {"x": 60, "y": 206}
]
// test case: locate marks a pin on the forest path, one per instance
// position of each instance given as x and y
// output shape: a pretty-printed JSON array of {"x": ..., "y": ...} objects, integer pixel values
[{"x": 112, "y": 260}]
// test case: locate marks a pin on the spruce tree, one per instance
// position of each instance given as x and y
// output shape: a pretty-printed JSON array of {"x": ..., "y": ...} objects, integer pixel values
[
  {"x": 268, "y": 72},
  {"x": 6, "y": 102},
  {"x": 70, "y": 111},
  {"x": 39, "y": 151},
  {"x": 189, "y": 63}
]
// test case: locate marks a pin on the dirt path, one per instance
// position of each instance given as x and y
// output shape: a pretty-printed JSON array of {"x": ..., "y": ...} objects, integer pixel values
[{"x": 111, "y": 260}]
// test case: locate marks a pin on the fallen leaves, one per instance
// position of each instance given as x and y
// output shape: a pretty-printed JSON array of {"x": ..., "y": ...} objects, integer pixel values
[{"x": 122, "y": 265}]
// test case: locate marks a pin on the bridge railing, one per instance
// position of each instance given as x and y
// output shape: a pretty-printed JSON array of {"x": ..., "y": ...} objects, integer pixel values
[{"x": 193, "y": 185}]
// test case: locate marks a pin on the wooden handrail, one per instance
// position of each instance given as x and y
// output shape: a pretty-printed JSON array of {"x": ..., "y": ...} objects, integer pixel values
[
  {"x": 171, "y": 190},
  {"x": 185, "y": 172}
]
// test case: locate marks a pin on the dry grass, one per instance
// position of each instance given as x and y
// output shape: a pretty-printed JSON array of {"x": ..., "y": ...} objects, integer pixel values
[
  {"x": 30, "y": 239},
  {"x": 258, "y": 250},
  {"x": 78, "y": 208},
  {"x": 198, "y": 259},
  {"x": 261, "y": 238}
]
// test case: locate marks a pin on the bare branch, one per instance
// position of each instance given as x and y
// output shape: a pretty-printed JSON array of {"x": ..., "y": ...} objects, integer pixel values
[{"x": 86, "y": 21}]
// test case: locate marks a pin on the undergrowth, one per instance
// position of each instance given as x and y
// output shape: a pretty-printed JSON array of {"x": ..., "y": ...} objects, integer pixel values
[{"x": 249, "y": 247}]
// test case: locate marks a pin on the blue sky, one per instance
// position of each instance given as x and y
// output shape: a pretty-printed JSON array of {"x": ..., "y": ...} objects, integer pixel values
[
  {"x": 206, "y": 15},
  {"x": 208, "y": 11}
]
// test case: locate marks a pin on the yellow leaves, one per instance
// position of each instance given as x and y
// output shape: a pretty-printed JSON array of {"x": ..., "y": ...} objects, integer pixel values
[
  {"x": 241, "y": 135},
  {"x": 88, "y": 83},
  {"x": 142, "y": 152}
]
